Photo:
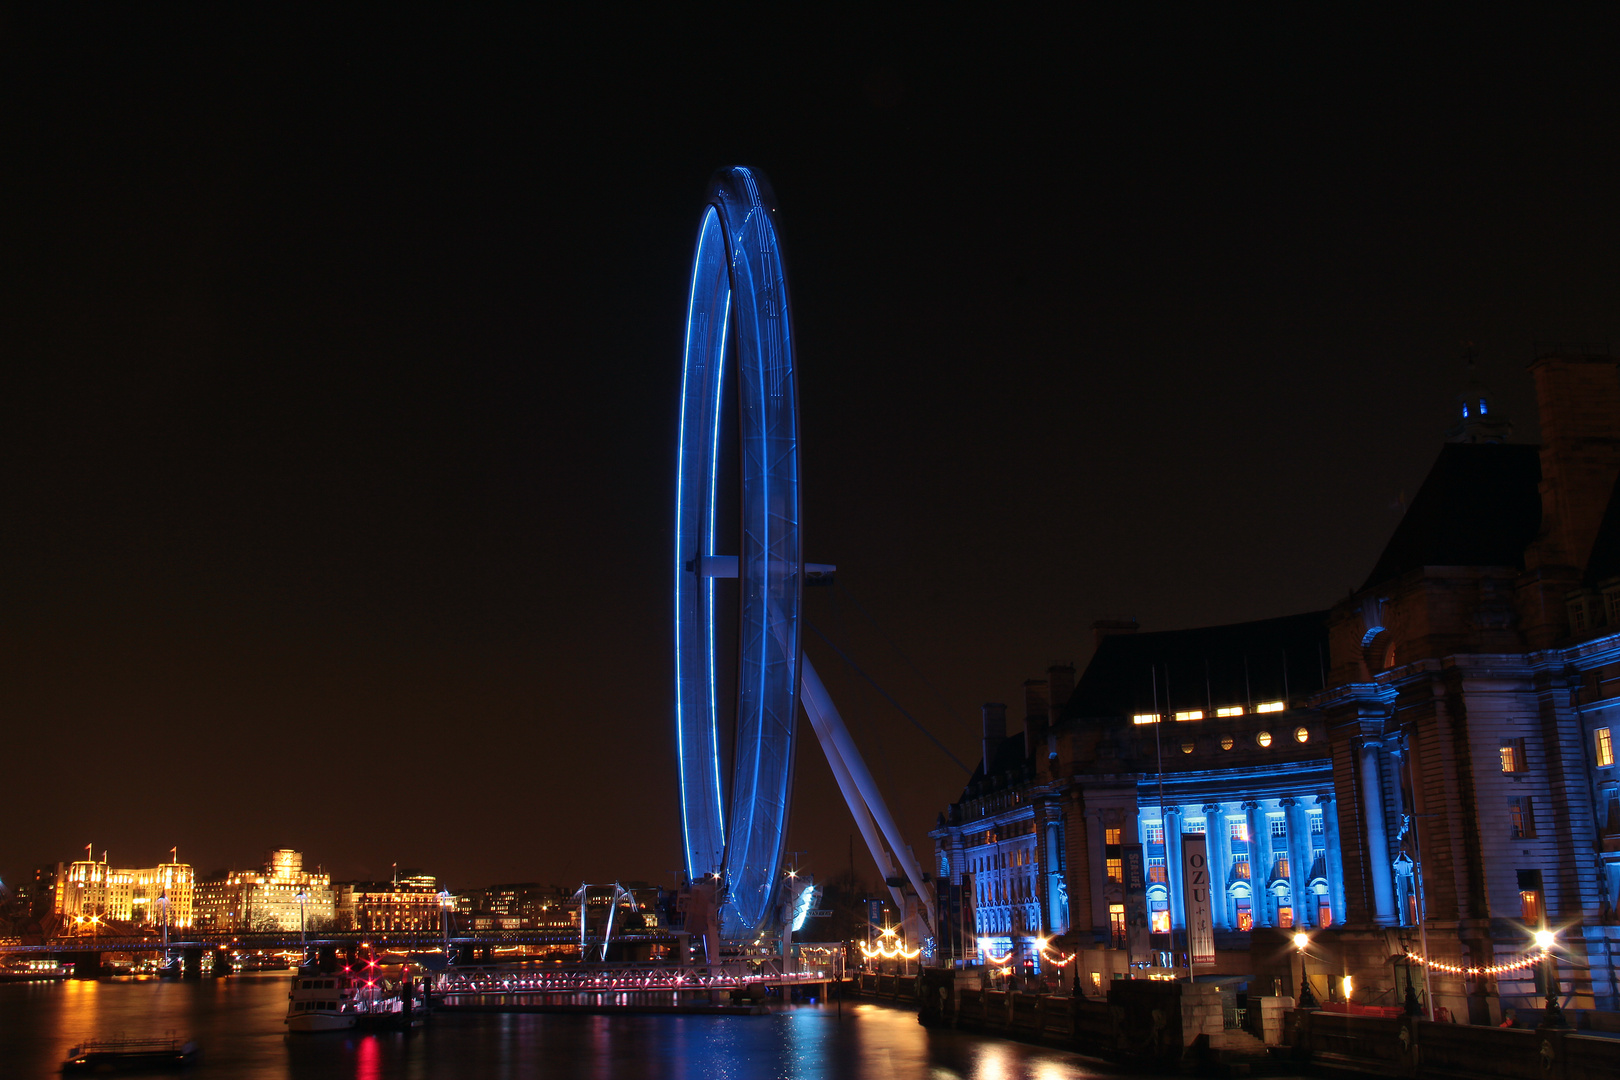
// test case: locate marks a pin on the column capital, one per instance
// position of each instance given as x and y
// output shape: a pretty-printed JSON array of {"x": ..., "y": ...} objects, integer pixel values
[
  {"x": 1325, "y": 799},
  {"x": 1212, "y": 808},
  {"x": 1173, "y": 810},
  {"x": 1250, "y": 804},
  {"x": 1287, "y": 802}
]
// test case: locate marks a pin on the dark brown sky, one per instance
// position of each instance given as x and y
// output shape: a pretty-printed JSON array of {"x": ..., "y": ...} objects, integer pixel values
[{"x": 340, "y": 361}]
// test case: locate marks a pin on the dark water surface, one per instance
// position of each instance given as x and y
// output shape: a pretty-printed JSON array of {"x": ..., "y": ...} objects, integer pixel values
[{"x": 237, "y": 1023}]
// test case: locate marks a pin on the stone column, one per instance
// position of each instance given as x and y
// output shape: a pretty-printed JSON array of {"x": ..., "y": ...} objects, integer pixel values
[
  {"x": 1299, "y": 863},
  {"x": 1335, "y": 856},
  {"x": 1172, "y": 866},
  {"x": 1378, "y": 866},
  {"x": 1259, "y": 903},
  {"x": 1215, "y": 838},
  {"x": 1042, "y": 886}
]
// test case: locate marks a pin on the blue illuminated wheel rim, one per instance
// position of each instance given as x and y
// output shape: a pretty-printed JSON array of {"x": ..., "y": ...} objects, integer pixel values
[{"x": 738, "y": 300}]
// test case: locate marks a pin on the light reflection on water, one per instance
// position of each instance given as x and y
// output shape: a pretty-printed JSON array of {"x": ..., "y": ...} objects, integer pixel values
[{"x": 237, "y": 1022}]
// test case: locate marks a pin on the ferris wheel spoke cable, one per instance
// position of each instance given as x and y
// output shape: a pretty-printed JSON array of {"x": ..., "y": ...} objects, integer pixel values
[
  {"x": 842, "y": 655},
  {"x": 839, "y": 587}
]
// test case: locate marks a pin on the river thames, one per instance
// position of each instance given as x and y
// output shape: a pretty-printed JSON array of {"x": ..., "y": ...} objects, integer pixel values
[{"x": 237, "y": 1023}]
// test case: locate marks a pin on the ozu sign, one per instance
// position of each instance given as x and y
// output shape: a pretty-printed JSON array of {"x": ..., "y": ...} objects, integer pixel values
[{"x": 1195, "y": 886}]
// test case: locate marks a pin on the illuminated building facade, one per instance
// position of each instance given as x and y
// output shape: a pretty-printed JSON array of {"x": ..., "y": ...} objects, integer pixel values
[
  {"x": 280, "y": 897},
  {"x": 384, "y": 905},
  {"x": 1436, "y": 749},
  {"x": 1203, "y": 731},
  {"x": 1474, "y": 692},
  {"x": 164, "y": 893},
  {"x": 87, "y": 888}
]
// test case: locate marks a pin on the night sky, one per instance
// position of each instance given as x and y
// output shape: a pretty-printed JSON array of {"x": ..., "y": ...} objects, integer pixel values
[{"x": 341, "y": 356}]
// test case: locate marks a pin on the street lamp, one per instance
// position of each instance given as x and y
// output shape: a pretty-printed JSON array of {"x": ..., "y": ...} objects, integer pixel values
[
  {"x": 303, "y": 941},
  {"x": 1553, "y": 1017},
  {"x": 1307, "y": 1000},
  {"x": 446, "y": 902}
]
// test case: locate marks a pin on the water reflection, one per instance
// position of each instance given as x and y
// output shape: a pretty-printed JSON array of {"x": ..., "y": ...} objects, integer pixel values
[{"x": 237, "y": 1022}]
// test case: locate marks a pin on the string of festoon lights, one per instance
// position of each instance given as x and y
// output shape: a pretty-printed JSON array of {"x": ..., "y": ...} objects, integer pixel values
[
  {"x": 1526, "y": 961},
  {"x": 886, "y": 950},
  {"x": 1045, "y": 950}
]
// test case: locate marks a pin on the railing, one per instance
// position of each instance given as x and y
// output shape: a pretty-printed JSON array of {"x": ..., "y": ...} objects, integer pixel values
[
  {"x": 255, "y": 940},
  {"x": 627, "y": 979},
  {"x": 1235, "y": 1019}
]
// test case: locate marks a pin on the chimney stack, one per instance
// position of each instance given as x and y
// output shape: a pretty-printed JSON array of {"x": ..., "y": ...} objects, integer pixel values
[
  {"x": 995, "y": 731},
  {"x": 1578, "y": 392}
]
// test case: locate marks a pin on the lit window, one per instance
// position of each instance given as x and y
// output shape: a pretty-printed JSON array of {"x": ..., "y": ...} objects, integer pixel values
[
  {"x": 1157, "y": 871},
  {"x": 1187, "y": 747},
  {"x": 1226, "y": 742},
  {"x": 1302, "y": 734},
  {"x": 1245, "y": 916},
  {"x": 1324, "y": 912},
  {"x": 1318, "y": 828},
  {"x": 1195, "y": 826},
  {"x": 1280, "y": 872},
  {"x": 1240, "y": 866},
  {"x": 1285, "y": 915},
  {"x": 1116, "y": 923},
  {"x": 1270, "y": 706},
  {"x": 1530, "y": 905},
  {"x": 1264, "y": 738},
  {"x": 1161, "y": 916},
  {"x": 1145, "y": 718},
  {"x": 1155, "y": 832},
  {"x": 1522, "y": 814},
  {"x": 1279, "y": 824},
  {"x": 1237, "y": 830},
  {"x": 1112, "y": 835},
  {"x": 1196, "y": 714},
  {"x": 1513, "y": 755},
  {"x": 1605, "y": 748},
  {"x": 1116, "y": 870},
  {"x": 1230, "y": 710}
]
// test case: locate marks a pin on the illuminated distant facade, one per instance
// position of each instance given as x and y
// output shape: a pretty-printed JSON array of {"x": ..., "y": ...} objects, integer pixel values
[
  {"x": 87, "y": 888},
  {"x": 411, "y": 904},
  {"x": 275, "y": 898}
]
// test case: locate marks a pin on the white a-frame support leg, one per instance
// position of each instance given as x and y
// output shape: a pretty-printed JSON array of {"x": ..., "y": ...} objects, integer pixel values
[{"x": 866, "y": 803}]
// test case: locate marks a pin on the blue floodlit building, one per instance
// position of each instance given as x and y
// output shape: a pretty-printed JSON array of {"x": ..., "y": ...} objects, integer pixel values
[
  {"x": 1193, "y": 731},
  {"x": 1432, "y": 759}
]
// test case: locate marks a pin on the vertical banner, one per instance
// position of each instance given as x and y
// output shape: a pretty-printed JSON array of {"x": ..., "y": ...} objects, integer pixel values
[
  {"x": 1136, "y": 909},
  {"x": 1195, "y": 887}
]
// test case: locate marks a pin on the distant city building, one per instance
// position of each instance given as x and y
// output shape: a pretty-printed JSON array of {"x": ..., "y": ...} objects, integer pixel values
[
  {"x": 86, "y": 889},
  {"x": 384, "y": 905},
  {"x": 280, "y": 897}
]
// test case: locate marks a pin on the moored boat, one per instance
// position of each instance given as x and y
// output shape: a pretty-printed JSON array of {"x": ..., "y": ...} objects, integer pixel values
[
  {"x": 320, "y": 1002},
  {"x": 127, "y": 1055}
]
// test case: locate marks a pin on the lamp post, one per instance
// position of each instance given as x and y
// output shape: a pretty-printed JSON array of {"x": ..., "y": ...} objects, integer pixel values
[
  {"x": 303, "y": 941},
  {"x": 446, "y": 901},
  {"x": 1307, "y": 1000},
  {"x": 1553, "y": 1017}
]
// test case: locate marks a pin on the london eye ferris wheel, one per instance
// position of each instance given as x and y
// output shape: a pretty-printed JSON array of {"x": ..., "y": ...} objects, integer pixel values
[{"x": 738, "y": 312}]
